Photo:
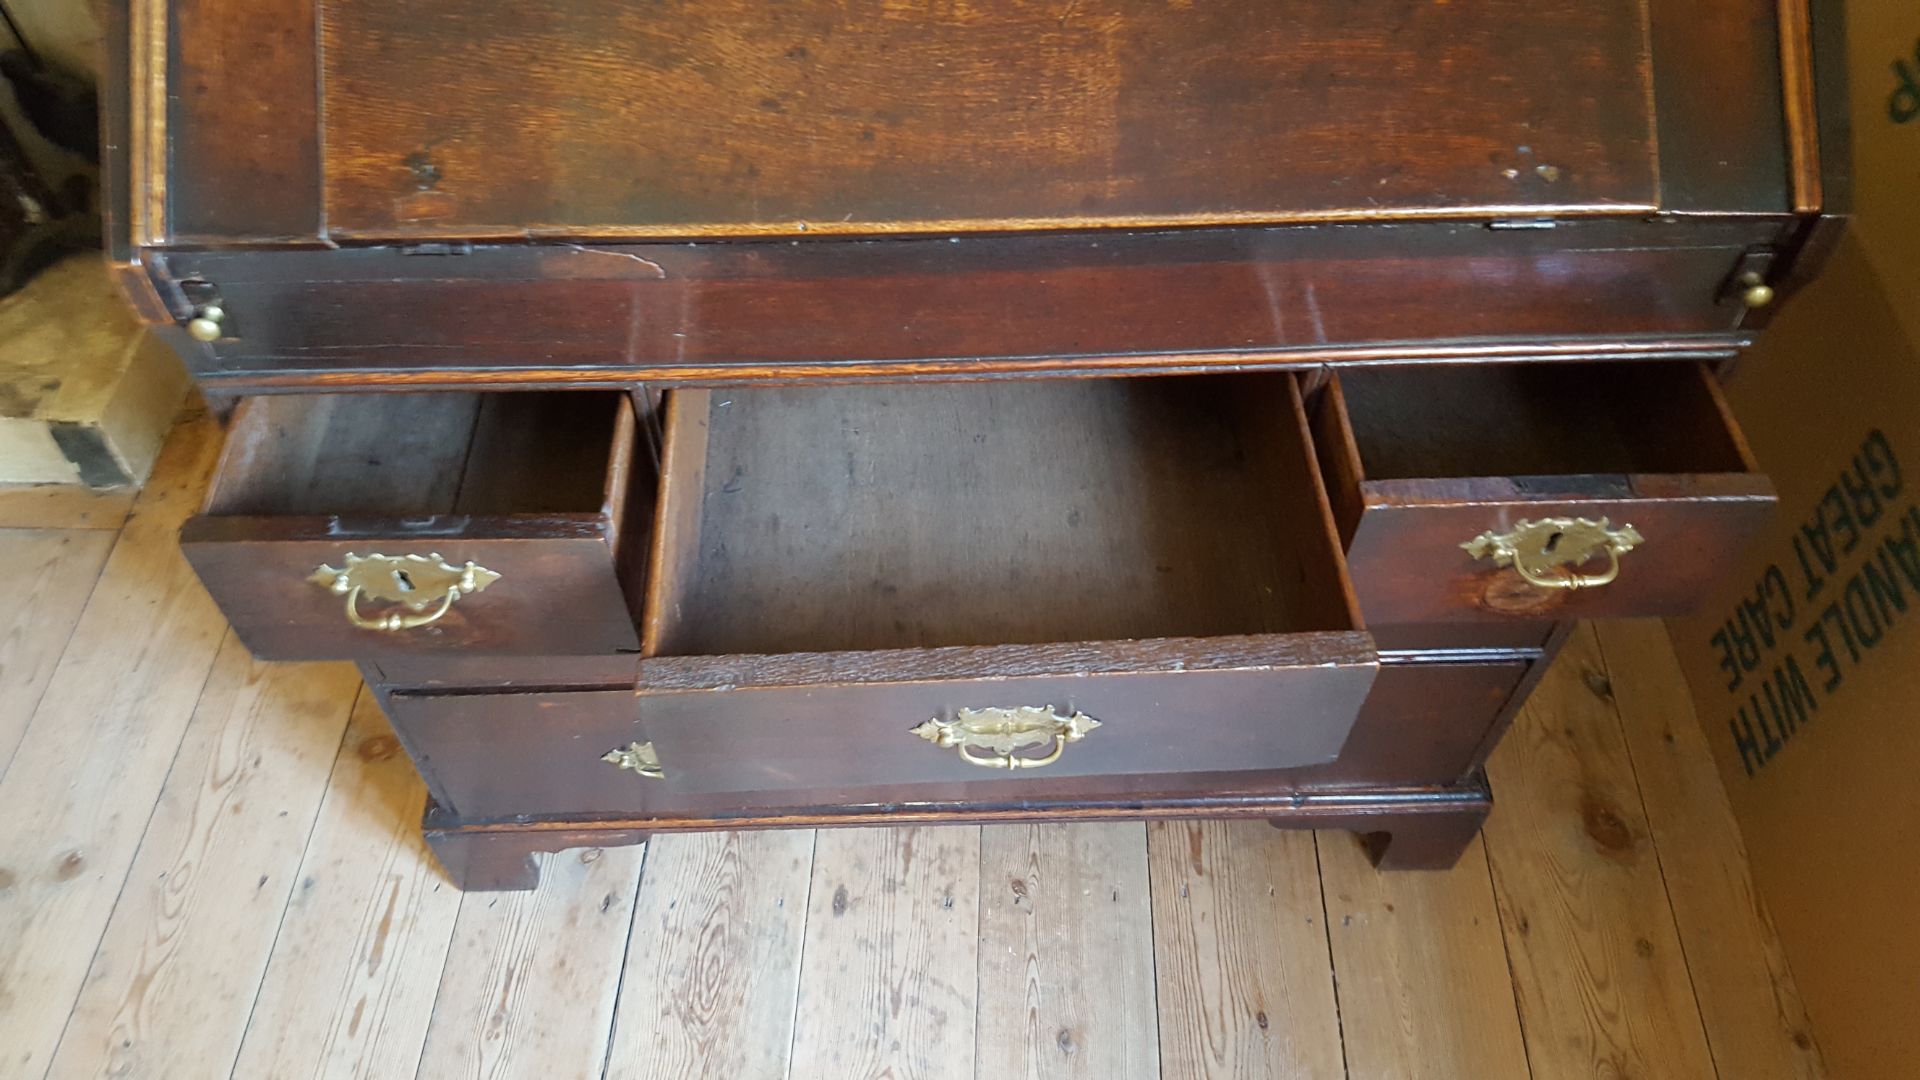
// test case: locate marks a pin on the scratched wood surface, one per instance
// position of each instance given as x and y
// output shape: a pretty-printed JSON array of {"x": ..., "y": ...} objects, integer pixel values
[{"x": 212, "y": 867}]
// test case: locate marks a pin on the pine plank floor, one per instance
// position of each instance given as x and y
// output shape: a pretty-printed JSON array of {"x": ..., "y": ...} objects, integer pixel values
[{"x": 210, "y": 868}]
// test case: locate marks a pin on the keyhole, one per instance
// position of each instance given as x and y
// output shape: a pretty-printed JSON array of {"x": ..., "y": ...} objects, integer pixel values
[
  {"x": 1553, "y": 542},
  {"x": 405, "y": 582}
]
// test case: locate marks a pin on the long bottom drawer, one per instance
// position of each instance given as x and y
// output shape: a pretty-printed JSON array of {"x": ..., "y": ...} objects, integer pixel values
[{"x": 584, "y": 753}]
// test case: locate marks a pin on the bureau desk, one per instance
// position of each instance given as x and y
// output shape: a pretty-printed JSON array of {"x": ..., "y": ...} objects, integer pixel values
[{"x": 747, "y": 415}]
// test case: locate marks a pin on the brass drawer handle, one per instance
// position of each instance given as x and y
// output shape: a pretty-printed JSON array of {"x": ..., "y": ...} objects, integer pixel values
[
  {"x": 640, "y": 757},
  {"x": 1006, "y": 732},
  {"x": 1546, "y": 551},
  {"x": 417, "y": 582}
]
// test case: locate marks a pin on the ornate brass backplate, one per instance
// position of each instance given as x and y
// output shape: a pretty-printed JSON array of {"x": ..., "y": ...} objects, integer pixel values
[
  {"x": 639, "y": 757},
  {"x": 416, "y": 582},
  {"x": 1006, "y": 732},
  {"x": 1547, "y": 552}
]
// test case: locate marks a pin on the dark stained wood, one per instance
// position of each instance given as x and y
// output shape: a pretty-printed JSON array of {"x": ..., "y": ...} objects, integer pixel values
[
  {"x": 732, "y": 118},
  {"x": 533, "y": 487},
  {"x": 1442, "y": 460},
  {"x": 880, "y": 517},
  {"x": 1046, "y": 303},
  {"x": 244, "y": 120},
  {"x": 1424, "y": 724},
  {"x": 1428, "y": 842},
  {"x": 1722, "y": 135},
  {"x": 458, "y": 672},
  {"x": 494, "y": 855},
  {"x": 1799, "y": 107}
]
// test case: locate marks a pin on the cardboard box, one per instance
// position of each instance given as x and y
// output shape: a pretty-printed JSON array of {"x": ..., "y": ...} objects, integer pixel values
[{"x": 1806, "y": 668}]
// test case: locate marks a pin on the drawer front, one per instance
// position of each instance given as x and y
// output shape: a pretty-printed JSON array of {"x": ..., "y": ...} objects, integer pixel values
[
  {"x": 557, "y": 589},
  {"x": 490, "y": 755},
  {"x": 1410, "y": 564},
  {"x": 1491, "y": 493},
  {"x": 970, "y": 714},
  {"x": 503, "y": 754},
  {"x": 369, "y": 526}
]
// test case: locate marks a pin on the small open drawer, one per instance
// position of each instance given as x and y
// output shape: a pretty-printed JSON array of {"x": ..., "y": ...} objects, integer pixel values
[
  {"x": 870, "y": 585},
  {"x": 357, "y": 526},
  {"x": 1556, "y": 491}
]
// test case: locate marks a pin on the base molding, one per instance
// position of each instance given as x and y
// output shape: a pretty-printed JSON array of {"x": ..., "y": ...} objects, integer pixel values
[{"x": 1405, "y": 829}]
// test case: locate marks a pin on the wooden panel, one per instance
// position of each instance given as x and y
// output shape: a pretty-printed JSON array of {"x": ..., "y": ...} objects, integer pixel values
[
  {"x": 713, "y": 962},
  {"x": 1066, "y": 953},
  {"x": 531, "y": 978},
  {"x": 1755, "y": 1022},
  {"x": 1423, "y": 724},
  {"x": 892, "y": 953},
  {"x": 1240, "y": 953},
  {"x": 177, "y": 970},
  {"x": 47, "y": 573},
  {"x": 1723, "y": 140},
  {"x": 1422, "y": 971},
  {"x": 1584, "y": 908},
  {"x": 243, "y": 119},
  {"x": 357, "y": 962},
  {"x": 96, "y": 755},
  {"x": 444, "y": 120},
  {"x": 1027, "y": 303}
]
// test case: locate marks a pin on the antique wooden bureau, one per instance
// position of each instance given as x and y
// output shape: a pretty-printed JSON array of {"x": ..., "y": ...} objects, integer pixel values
[{"x": 738, "y": 414}]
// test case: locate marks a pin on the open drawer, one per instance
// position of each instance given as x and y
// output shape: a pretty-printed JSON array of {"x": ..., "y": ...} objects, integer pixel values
[
  {"x": 868, "y": 585},
  {"x": 1493, "y": 492},
  {"x": 361, "y": 526}
]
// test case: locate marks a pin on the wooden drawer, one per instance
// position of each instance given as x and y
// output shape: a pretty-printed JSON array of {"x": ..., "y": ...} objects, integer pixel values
[
  {"x": 850, "y": 579},
  {"x": 491, "y": 755},
  {"x": 535, "y": 490},
  {"x": 1426, "y": 466}
]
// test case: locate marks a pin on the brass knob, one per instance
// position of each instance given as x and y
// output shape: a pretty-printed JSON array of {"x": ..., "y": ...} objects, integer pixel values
[
  {"x": 205, "y": 326},
  {"x": 1754, "y": 290}
]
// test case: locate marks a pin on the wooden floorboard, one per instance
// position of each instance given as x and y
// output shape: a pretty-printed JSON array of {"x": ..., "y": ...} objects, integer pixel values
[
  {"x": 1422, "y": 971},
  {"x": 713, "y": 962},
  {"x": 531, "y": 977},
  {"x": 46, "y": 576},
  {"x": 356, "y": 965},
  {"x": 889, "y": 973},
  {"x": 1755, "y": 1022},
  {"x": 1242, "y": 969},
  {"x": 176, "y": 972},
  {"x": 1595, "y": 955},
  {"x": 85, "y": 777},
  {"x": 1066, "y": 954},
  {"x": 211, "y": 867}
]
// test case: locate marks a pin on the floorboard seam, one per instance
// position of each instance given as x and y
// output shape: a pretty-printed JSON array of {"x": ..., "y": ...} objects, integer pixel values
[{"x": 626, "y": 949}]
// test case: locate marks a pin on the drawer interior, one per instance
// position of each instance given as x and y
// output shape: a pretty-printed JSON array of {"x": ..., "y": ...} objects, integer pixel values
[
  {"x": 879, "y": 516},
  {"x": 397, "y": 455},
  {"x": 1443, "y": 421}
]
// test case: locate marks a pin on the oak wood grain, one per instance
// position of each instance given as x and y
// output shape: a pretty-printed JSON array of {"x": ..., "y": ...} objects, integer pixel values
[
  {"x": 1755, "y": 1021},
  {"x": 1241, "y": 965},
  {"x": 889, "y": 976},
  {"x": 1066, "y": 953},
  {"x": 1423, "y": 984},
  {"x": 178, "y": 967},
  {"x": 356, "y": 967},
  {"x": 531, "y": 978},
  {"x": 47, "y": 574},
  {"x": 1596, "y": 958},
  {"x": 93, "y": 760},
  {"x": 712, "y": 970}
]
